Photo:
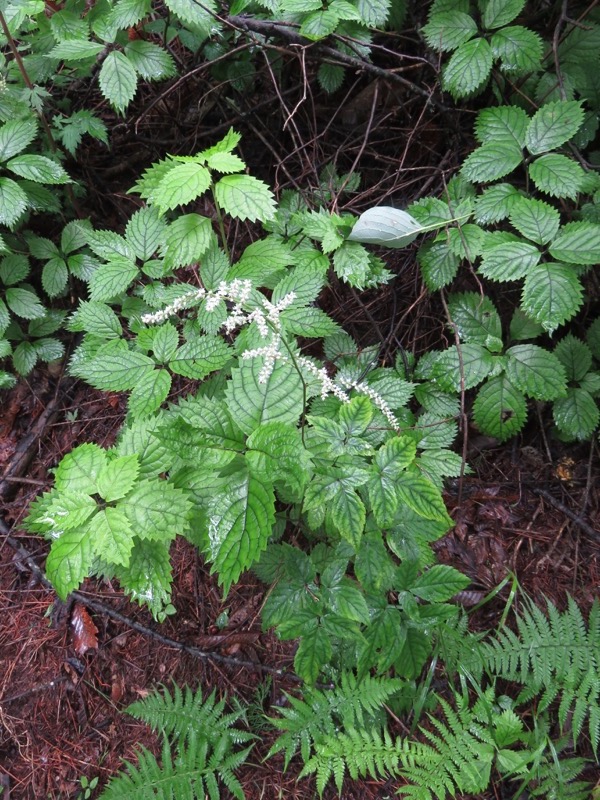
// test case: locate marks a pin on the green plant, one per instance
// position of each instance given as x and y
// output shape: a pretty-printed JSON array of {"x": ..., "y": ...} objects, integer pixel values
[
  {"x": 87, "y": 787},
  {"x": 199, "y": 749}
]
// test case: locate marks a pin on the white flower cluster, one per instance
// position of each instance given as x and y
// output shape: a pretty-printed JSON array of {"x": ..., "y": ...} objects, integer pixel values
[{"x": 269, "y": 325}]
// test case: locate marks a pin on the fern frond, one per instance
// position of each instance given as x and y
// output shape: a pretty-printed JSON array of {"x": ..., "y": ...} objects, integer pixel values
[
  {"x": 556, "y": 779},
  {"x": 554, "y": 655},
  {"x": 354, "y": 704}
]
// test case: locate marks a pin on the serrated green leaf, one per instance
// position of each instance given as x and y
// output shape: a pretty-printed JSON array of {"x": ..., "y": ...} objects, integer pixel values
[
  {"x": 439, "y": 583},
  {"x": 576, "y": 415},
  {"x": 423, "y": 497},
  {"x": 553, "y": 125},
  {"x": 225, "y": 162},
  {"x": 498, "y": 13},
  {"x": 69, "y": 560},
  {"x": 330, "y": 77},
  {"x": 373, "y": 13},
  {"x": 390, "y": 460},
  {"x": 75, "y": 50},
  {"x": 502, "y": 124},
  {"x": 577, "y": 243},
  {"x": 240, "y": 524},
  {"x": 313, "y": 653},
  {"x": 156, "y": 510},
  {"x": 575, "y": 356},
  {"x": 79, "y": 469},
  {"x": 373, "y": 566},
  {"x": 449, "y": 29},
  {"x": 468, "y": 68},
  {"x": 414, "y": 654},
  {"x": 536, "y": 372},
  {"x": 139, "y": 438},
  {"x": 557, "y": 175},
  {"x": 491, "y": 161},
  {"x": 55, "y": 276},
  {"x": 200, "y": 356},
  {"x": 347, "y": 601},
  {"x": 245, "y": 197},
  {"x": 438, "y": 263},
  {"x": 188, "y": 239},
  {"x": 534, "y": 219},
  {"x": 500, "y": 409},
  {"x": 145, "y": 232},
  {"x": 118, "y": 80},
  {"x": 351, "y": 263},
  {"x": 13, "y": 202},
  {"x": 14, "y": 269},
  {"x": 252, "y": 403},
  {"x": 181, "y": 185},
  {"x": 114, "y": 368},
  {"x": 319, "y": 24},
  {"x": 519, "y": 49},
  {"x": 261, "y": 259},
  {"x": 15, "y": 135},
  {"x": 152, "y": 62},
  {"x": 436, "y": 433},
  {"x": 24, "y": 358},
  {"x": 96, "y": 318},
  {"x": 384, "y": 640},
  {"x": 70, "y": 509},
  {"x": 147, "y": 577},
  {"x": 349, "y": 515},
  {"x": 48, "y": 349},
  {"x": 112, "y": 536},
  {"x": 476, "y": 319},
  {"x": 508, "y": 261},
  {"x": 24, "y": 303},
  {"x": 38, "y": 169},
  {"x": 453, "y": 371},
  {"x": 149, "y": 393},
  {"x": 126, "y": 13},
  {"x": 552, "y": 294},
  {"x": 436, "y": 465},
  {"x": 523, "y": 327},
  {"x": 201, "y": 16},
  {"x": 116, "y": 478},
  {"x": 111, "y": 279},
  {"x": 108, "y": 245},
  {"x": 276, "y": 452}
]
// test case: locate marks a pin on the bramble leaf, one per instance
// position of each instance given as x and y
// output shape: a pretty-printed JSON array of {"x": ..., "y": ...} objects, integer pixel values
[
  {"x": 500, "y": 409},
  {"x": 553, "y": 125}
]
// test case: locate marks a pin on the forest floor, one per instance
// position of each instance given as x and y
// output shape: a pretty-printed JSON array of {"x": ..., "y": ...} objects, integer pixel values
[{"x": 530, "y": 509}]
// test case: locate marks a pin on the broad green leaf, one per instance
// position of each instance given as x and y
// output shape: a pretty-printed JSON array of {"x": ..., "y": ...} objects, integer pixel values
[
  {"x": 117, "y": 477},
  {"x": 349, "y": 515},
  {"x": 70, "y": 509},
  {"x": 491, "y": 161},
  {"x": 152, "y": 62},
  {"x": 468, "y": 68},
  {"x": 575, "y": 356},
  {"x": 319, "y": 24},
  {"x": 466, "y": 241},
  {"x": 13, "y": 202},
  {"x": 553, "y": 125},
  {"x": 96, "y": 318},
  {"x": 108, "y": 245},
  {"x": 323, "y": 227},
  {"x": 455, "y": 370},
  {"x": 111, "y": 279},
  {"x": 139, "y": 438},
  {"x": 448, "y": 30},
  {"x": 519, "y": 49},
  {"x": 373, "y": 13},
  {"x": 69, "y": 560},
  {"x": 24, "y": 358},
  {"x": 309, "y": 322},
  {"x": 225, "y": 163},
  {"x": 498, "y": 13},
  {"x": 15, "y": 135},
  {"x": 245, "y": 197},
  {"x": 200, "y": 15},
  {"x": 55, "y": 276},
  {"x": 145, "y": 232},
  {"x": 373, "y": 566},
  {"x": 439, "y": 583},
  {"x": 557, "y": 175},
  {"x": 24, "y": 303},
  {"x": 114, "y": 368},
  {"x": 330, "y": 77},
  {"x": 536, "y": 372},
  {"x": 126, "y": 13},
  {"x": 165, "y": 342},
  {"x": 509, "y": 260},
  {"x": 416, "y": 649},
  {"x": 149, "y": 393},
  {"x": 118, "y": 80},
  {"x": 147, "y": 577},
  {"x": 577, "y": 243},
  {"x": 188, "y": 239},
  {"x": 75, "y": 50},
  {"x": 495, "y": 204},
  {"x": 523, "y": 327},
  {"x": 313, "y": 653},
  {"x": 252, "y": 403},
  {"x": 213, "y": 423},
  {"x": 79, "y": 469},
  {"x": 436, "y": 433},
  {"x": 14, "y": 269},
  {"x": 552, "y": 294},
  {"x": 112, "y": 536},
  {"x": 351, "y": 263},
  {"x": 576, "y": 415},
  {"x": 38, "y": 169},
  {"x": 347, "y": 601},
  {"x": 476, "y": 320},
  {"x": 261, "y": 259},
  {"x": 240, "y": 524},
  {"x": 500, "y": 409},
  {"x": 390, "y": 460},
  {"x": 423, "y": 497},
  {"x": 48, "y": 349},
  {"x": 276, "y": 453},
  {"x": 51, "y": 322},
  {"x": 438, "y": 263},
  {"x": 436, "y": 465},
  {"x": 181, "y": 185},
  {"x": 200, "y": 356},
  {"x": 156, "y": 510},
  {"x": 502, "y": 124},
  {"x": 384, "y": 640},
  {"x": 534, "y": 219}
]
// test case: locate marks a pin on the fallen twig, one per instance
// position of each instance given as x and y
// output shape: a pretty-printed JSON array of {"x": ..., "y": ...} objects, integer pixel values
[{"x": 581, "y": 523}]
